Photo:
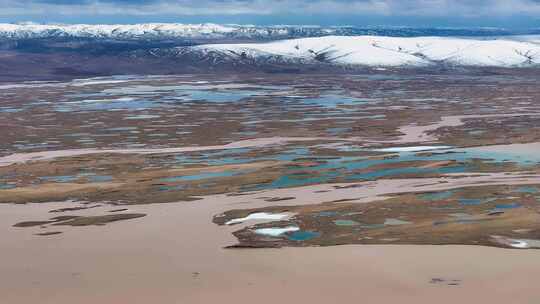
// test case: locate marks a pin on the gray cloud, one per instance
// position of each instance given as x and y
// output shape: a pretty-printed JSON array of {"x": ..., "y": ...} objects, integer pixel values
[{"x": 423, "y": 8}]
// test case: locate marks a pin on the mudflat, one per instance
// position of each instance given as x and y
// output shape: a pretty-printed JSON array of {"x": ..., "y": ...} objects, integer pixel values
[
  {"x": 175, "y": 255},
  {"x": 374, "y": 187}
]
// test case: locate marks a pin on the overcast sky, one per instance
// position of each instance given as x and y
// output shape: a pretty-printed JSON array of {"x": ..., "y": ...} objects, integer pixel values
[{"x": 447, "y": 13}]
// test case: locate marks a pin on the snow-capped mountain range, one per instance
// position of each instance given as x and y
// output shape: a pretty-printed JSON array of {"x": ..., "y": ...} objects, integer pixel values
[
  {"x": 518, "y": 51},
  {"x": 216, "y": 31},
  {"x": 112, "y": 31},
  {"x": 202, "y": 45}
]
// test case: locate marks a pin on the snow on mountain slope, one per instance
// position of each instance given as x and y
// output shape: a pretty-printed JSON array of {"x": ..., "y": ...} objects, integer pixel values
[
  {"x": 527, "y": 38},
  {"x": 385, "y": 51},
  {"x": 216, "y": 31},
  {"x": 198, "y": 31},
  {"x": 147, "y": 30}
]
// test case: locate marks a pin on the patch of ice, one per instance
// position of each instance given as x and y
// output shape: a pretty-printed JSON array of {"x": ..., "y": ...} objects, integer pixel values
[
  {"x": 258, "y": 216},
  {"x": 276, "y": 231},
  {"x": 395, "y": 222},
  {"x": 91, "y": 81},
  {"x": 516, "y": 243},
  {"x": 413, "y": 149},
  {"x": 519, "y": 244}
]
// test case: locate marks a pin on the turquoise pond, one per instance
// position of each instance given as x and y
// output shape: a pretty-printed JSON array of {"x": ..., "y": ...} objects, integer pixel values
[
  {"x": 60, "y": 178},
  {"x": 218, "y": 96},
  {"x": 508, "y": 206},
  {"x": 332, "y": 100},
  {"x": 99, "y": 178},
  {"x": 351, "y": 168},
  {"x": 142, "y": 97},
  {"x": 526, "y": 189},
  {"x": 474, "y": 201},
  {"x": 90, "y": 177},
  {"x": 162, "y": 95},
  {"x": 330, "y": 168},
  {"x": 5, "y": 186},
  {"x": 302, "y": 235},
  {"x": 171, "y": 188},
  {"x": 10, "y": 110},
  {"x": 326, "y": 213}
]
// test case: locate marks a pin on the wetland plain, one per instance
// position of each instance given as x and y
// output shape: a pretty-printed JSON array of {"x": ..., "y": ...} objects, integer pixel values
[{"x": 202, "y": 188}]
